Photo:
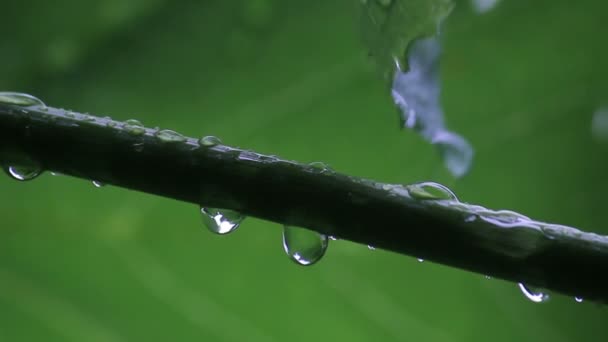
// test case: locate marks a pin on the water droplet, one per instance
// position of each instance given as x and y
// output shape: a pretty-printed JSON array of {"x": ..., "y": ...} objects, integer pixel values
[
  {"x": 371, "y": 248},
  {"x": 169, "y": 136},
  {"x": 420, "y": 260},
  {"x": 456, "y": 152},
  {"x": 536, "y": 297},
  {"x": 578, "y": 299},
  {"x": 333, "y": 238},
  {"x": 87, "y": 117},
  {"x": 22, "y": 173},
  {"x": 20, "y": 99},
  {"x": 431, "y": 191},
  {"x": 134, "y": 127},
  {"x": 98, "y": 184},
  {"x": 304, "y": 246},
  {"x": 54, "y": 173},
  {"x": 221, "y": 221},
  {"x": 209, "y": 141},
  {"x": 319, "y": 167}
]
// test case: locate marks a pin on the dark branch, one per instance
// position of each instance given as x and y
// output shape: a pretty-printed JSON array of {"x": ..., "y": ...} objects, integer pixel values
[{"x": 393, "y": 217}]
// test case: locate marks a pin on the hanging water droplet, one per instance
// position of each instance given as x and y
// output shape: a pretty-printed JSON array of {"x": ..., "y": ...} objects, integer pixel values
[
  {"x": 319, "y": 167},
  {"x": 221, "y": 221},
  {"x": 431, "y": 191},
  {"x": 209, "y": 141},
  {"x": 304, "y": 246},
  {"x": 98, "y": 184},
  {"x": 420, "y": 260},
  {"x": 371, "y": 248},
  {"x": 456, "y": 152},
  {"x": 169, "y": 136},
  {"x": 134, "y": 127},
  {"x": 536, "y": 297},
  {"x": 578, "y": 299},
  {"x": 20, "y": 99},
  {"x": 22, "y": 173}
]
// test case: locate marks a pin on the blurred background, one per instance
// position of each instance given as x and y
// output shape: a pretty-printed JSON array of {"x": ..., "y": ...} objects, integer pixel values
[{"x": 525, "y": 82}]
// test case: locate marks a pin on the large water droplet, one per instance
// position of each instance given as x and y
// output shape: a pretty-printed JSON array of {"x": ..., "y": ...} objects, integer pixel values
[
  {"x": 169, "y": 136},
  {"x": 209, "y": 141},
  {"x": 304, "y": 246},
  {"x": 22, "y": 173},
  {"x": 20, "y": 99},
  {"x": 536, "y": 297},
  {"x": 431, "y": 191},
  {"x": 134, "y": 127},
  {"x": 221, "y": 221},
  {"x": 456, "y": 152}
]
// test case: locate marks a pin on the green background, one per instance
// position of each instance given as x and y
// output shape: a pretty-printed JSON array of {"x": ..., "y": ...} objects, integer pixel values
[{"x": 78, "y": 263}]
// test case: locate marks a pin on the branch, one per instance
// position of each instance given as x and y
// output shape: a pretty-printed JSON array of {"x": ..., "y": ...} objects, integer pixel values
[{"x": 416, "y": 220}]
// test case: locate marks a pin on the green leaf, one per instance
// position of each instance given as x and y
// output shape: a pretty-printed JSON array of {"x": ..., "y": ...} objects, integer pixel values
[{"x": 389, "y": 26}]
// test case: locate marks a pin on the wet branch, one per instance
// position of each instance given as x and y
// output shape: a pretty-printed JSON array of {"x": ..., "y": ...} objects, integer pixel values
[{"x": 398, "y": 218}]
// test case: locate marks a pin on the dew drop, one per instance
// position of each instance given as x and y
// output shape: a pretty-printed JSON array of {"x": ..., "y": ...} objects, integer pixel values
[
  {"x": 455, "y": 151},
  {"x": 304, "y": 246},
  {"x": 371, "y": 248},
  {"x": 134, "y": 127},
  {"x": 20, "y": 99},
  {"x": 430, "y": 191},
  {"x": 169, "y": 136},
  {"x": 333, "y": 238},
  {"x": 209, "y": 141},
  {"x": 319, "y": 167},
  {"x": 536, "y": 297},
  {"x": 22, "y": 173},
  {"x": 578, "y": 299},
  {"x": 420, "y": 260},
  {"x": 98, "y": 184},
  {"x": 221, "y": 221}
]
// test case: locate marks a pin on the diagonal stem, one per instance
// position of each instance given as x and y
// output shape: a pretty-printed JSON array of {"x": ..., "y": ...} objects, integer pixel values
[{"x": 403, "y": 219}]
